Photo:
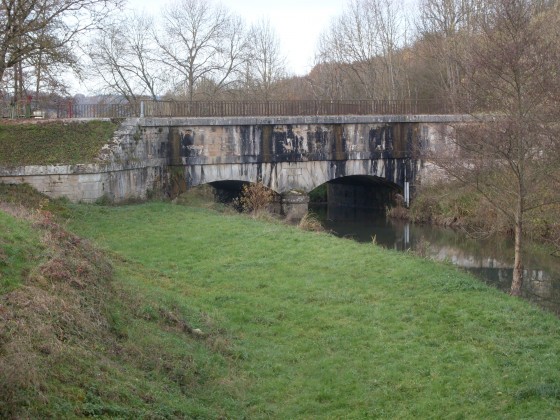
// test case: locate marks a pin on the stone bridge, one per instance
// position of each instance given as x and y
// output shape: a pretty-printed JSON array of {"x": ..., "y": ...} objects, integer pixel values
[{"x": 365, "y": 159}]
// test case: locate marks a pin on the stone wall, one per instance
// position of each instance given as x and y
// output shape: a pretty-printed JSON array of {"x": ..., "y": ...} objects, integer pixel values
[
  {"x": 437, "y": 140},
  {"x": 130, "y": 166},
  {"x": 296, "y": 156},
  {"x": 168, "y": 155}
]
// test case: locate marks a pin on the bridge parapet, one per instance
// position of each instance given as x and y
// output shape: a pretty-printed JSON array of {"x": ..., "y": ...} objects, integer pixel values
[
  {"x": 293, "y": 153},
  {"x": 301, "y": 119}
]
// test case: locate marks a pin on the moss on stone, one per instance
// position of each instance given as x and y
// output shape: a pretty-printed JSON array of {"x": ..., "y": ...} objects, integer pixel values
[{"x": 53, "y": 143}]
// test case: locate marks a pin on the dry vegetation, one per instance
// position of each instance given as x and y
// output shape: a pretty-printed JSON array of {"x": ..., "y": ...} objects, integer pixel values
[
  {"x": 77, "y": 339},
  {"x": 310, "y": 223},
  {"x": 56, "y": 317},
  {"x": 254, "y": 199}
]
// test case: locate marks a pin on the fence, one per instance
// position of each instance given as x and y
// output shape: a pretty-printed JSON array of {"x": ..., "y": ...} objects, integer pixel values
[
  {"x": 149, "y": 108},
  {"x": 65, "y": 109},
  {"x": 288, "y": 108}
]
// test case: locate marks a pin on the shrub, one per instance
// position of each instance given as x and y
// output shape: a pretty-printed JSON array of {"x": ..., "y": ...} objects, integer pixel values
[
  {"x": 310, "y": 223},
  {"x": 254, "y": 198}
]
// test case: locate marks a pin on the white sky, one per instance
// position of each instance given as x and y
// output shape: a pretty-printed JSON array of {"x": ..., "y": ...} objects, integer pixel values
[{"x": 298, "y": 23}]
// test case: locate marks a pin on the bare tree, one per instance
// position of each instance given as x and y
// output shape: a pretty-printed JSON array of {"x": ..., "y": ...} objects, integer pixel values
[
  {"x": 203, "y": 44},
  {"x": 511, "y": 152},
  {"x": 364, "y": 42},
  {"x": 123, "y": 57},
  {"x": 327, "y": 81},
  {"x": 446, "y": 28},
  {"x": 265, "y": 65},
  {"x": 31, "y": 27}
]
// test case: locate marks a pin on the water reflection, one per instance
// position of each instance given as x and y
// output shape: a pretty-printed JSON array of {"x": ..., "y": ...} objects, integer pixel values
[{"x": 490, "y": 260}]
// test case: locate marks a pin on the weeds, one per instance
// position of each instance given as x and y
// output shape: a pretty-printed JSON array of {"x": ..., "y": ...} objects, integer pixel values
[
  {"x": 310, "y": 223},
  {"x": 44, "y": 322},
  {"x": 254, "y": 198}
]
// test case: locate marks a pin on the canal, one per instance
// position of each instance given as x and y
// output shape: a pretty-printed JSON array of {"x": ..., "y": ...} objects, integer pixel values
[{"x": 491, "y": 260}]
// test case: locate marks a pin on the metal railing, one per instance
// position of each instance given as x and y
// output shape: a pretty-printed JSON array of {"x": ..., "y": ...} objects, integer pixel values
[
  {"x": 289, "y": 108},
  {"x": 65, "y": 109},
  {"x": 150, "y": 108}
]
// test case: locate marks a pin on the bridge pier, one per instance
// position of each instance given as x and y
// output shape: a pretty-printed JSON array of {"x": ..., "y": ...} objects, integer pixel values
[{"x": 294, "y": 205}]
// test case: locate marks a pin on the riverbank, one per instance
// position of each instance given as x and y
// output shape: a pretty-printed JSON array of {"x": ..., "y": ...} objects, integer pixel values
[
  {"x": 211, "y": 314},
  {"x": 460, "y": 207},
  {"x": 328, "y": 326}
]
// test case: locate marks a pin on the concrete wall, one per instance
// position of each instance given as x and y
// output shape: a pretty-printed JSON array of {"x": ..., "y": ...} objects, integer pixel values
[
  {"x": 437, "y": 140},
  {"x": 286, "y": 153},
  {"x": 264, "y": 143},
  {"x": 295, "y": 155},
  {"x": 128, "y": 167},
  {"x": 301, "y": 176}
]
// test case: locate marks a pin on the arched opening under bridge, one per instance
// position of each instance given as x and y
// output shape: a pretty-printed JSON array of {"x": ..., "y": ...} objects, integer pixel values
[{"x": 357, "y": 191}]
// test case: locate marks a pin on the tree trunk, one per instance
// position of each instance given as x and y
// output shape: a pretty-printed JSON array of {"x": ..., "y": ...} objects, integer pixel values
[{"x": 518, "y": 262}]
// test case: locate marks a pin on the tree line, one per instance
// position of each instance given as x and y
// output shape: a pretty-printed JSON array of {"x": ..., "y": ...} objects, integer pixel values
[{"x": 200, "y": 50}]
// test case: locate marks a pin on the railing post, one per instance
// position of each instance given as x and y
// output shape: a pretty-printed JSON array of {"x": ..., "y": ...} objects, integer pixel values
[{"x": 141, "y": 109}]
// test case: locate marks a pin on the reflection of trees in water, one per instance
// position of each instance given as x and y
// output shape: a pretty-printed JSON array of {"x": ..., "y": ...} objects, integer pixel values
[
  {"x": 491, "y": 264},
  {"x": 540, "y": 286},
  {"x": 490, "y": 259}
]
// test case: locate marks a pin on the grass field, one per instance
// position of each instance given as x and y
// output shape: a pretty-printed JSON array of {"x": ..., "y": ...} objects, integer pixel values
[
  {"x": 310, "y": 326},
  {"x": 210, "y": 315}
]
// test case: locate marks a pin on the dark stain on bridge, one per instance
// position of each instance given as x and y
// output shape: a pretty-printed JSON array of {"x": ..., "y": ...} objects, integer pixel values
[{"x": 294, "y": 157}]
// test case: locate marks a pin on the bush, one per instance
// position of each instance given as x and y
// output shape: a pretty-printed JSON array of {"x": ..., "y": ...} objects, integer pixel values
[
  {"x": 425, "y": 208},
  {"x": 310, "y": 223},
  {"x": 254, "y": 198}
]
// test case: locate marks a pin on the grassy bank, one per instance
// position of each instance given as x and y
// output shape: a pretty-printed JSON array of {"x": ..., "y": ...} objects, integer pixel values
[
  {"x": 319, "y": 326},
  {"x": 19, "y": 246},
  {"x": 79, "y": 337},
  {"x": 51, "y": 143},
  {"x": 208, "y": 315}
]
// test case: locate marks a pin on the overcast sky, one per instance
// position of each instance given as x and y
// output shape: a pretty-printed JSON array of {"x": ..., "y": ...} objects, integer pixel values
[{"x": 298, "y": 23}]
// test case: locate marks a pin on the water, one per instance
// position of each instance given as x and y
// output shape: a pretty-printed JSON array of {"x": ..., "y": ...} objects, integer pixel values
[{"x": 491, "y": 260}]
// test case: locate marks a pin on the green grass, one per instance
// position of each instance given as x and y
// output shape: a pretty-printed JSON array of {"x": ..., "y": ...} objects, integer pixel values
[
  {"x": 53, "y": 143},
  {"x": 303, "y": 325},
  {"x": 79, "y": 338},
  {"x": 19, "y": 251}
]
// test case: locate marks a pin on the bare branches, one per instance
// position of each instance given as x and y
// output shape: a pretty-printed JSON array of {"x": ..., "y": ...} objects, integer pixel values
[
  {"x": 364, "y": 43},
  {"x": 265, "y": 63},
  {"x": 203, "y": 43},
  {"x": 31, "y": 27},
  {"x": 511, "y": 154},
  {"x": 123, "y": 55}
]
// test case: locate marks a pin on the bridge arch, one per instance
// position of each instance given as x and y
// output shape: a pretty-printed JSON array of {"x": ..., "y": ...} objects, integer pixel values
[
  {"x": 302, "y": 176},
  {"x": 228, "y": 190},
  {"x": 362, "y": 192},
  {"x": 295, "y": 155},
  {"x": 391, "y": 171}
]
